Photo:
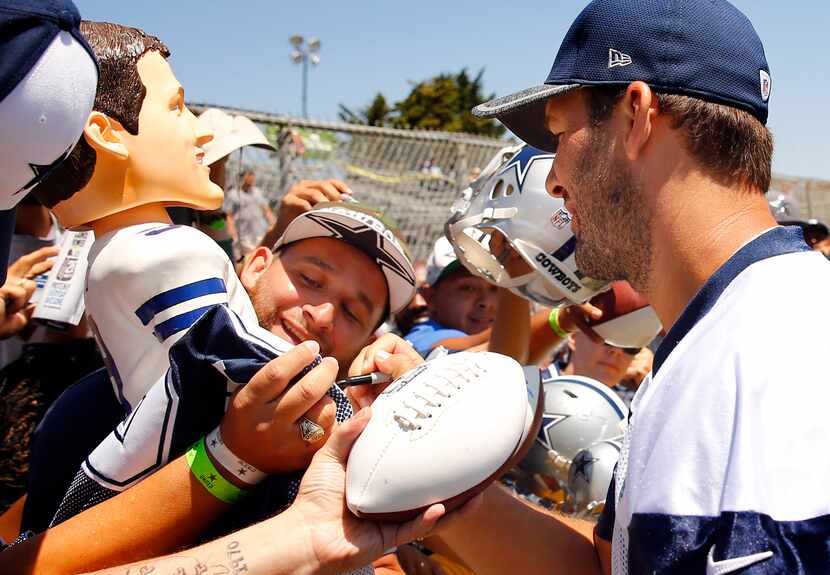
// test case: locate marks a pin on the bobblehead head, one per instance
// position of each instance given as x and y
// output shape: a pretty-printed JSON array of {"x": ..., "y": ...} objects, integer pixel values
[{"x": 141, "y": 148}]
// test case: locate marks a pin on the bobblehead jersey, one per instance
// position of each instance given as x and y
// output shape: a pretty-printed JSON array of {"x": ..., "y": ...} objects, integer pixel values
[{"x": 146, "y": 285}]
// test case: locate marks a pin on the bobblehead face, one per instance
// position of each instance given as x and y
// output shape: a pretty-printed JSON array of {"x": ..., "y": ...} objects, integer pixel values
[
  {"x": 167, "y": 152},
  {"x": 159, "y": 166}
]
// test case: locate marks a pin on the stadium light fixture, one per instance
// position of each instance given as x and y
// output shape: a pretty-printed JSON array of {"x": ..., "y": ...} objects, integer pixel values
[{"x": 303, "y": 53}]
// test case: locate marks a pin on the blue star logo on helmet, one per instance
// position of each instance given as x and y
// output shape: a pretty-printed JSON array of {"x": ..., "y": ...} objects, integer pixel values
[
  {"x": 549, "y": 421},
  {"x": 522, "y": 161},
  {"x": 583, "y": 464}
]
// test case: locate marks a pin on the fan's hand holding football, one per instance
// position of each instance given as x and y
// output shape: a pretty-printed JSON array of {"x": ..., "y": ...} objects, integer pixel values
[
  {"x": 261, "y": 426},
  {"x": 339, "y": 540},
  {"x": 576, "y": 317},
  {"x": 388, "y": 354}
]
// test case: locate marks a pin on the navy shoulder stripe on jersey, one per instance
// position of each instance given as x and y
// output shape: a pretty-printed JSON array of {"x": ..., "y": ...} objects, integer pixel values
[
  {"x": 179, "y": 322},
  {"x": 175, "y": 296},
  {"x": 775, "y": 242}
]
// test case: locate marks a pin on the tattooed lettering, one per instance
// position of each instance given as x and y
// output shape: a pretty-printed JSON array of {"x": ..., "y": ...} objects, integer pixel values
[{"x": 237, "y": 560}]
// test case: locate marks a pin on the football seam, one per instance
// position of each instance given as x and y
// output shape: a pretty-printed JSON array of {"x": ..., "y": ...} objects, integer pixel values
[
  {"x": 370, "y": 477},
  {"x": 375, "y": 465}
]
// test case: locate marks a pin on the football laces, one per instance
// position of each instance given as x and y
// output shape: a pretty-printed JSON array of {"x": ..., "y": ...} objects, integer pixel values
[{"x": 422, "y": 402}]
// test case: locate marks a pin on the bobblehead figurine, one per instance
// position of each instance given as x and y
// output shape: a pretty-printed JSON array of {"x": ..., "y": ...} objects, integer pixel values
[{"x": 142, "y": 150}]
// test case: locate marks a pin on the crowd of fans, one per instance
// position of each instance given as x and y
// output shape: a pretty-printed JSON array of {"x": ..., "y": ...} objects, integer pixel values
[{"x": 101, "y": 426}]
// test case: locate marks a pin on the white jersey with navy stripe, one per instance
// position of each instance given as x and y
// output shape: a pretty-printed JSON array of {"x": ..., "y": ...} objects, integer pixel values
[
  {"x": 724, "y": 465},
  {"x": 147, "y": 284}
]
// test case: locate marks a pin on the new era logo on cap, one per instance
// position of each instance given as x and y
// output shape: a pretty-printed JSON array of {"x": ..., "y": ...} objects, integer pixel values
[
  {"x": 617, "y": 58},
  {"x": 766, "y": 85}
]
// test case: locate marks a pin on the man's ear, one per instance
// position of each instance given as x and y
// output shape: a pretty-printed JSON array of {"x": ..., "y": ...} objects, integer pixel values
[
  {"x": 256, "y": 263},
  {"x": 640, "y": 108},
  {"x": 104, "y": 135}
]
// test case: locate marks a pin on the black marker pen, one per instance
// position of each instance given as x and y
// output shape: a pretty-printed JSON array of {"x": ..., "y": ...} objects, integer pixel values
[{"x": 374, "y": 378}]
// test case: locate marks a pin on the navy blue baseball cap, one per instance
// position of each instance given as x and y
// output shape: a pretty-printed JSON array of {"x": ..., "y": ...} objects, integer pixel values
[
  {"x": 705, "y": 49},
  {"x": 48, "y": 77}
]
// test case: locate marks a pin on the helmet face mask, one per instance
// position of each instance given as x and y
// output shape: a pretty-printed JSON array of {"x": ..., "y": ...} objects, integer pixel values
[{"x": 509, "y": 199}]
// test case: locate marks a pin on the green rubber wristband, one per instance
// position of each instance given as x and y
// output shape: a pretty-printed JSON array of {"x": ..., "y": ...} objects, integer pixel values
[
  {"x": 553, "y": 321},
  {"x": 203, "y": 469}
]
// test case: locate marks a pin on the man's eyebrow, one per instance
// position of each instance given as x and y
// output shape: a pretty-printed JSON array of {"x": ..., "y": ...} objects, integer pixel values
[
  {"x": 361, "y": 295},
  {"x": 320, "y": 263}
]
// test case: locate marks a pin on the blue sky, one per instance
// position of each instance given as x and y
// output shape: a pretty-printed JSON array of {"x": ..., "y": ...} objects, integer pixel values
[{"x": 236, "y": 53}]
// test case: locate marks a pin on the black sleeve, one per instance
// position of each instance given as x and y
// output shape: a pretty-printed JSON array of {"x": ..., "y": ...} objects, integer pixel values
[{"x": 605, "y": 525}]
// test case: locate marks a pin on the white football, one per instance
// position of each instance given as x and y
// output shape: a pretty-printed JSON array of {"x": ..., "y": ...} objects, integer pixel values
[{"x": 442, "y": 433}]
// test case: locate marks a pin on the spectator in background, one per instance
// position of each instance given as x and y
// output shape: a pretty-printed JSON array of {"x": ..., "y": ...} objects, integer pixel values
[
  {"x": 230, "y": 133},
  {"x": 605, "y": 363},
  {"x": 459, "y": 304},
  {"x": 416, "y": 312},
  {"x": 249, "y": 212}
]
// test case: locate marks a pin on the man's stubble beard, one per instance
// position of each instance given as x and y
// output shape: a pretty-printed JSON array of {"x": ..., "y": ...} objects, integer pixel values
[
  {"x": 267, "y": 315},
  {"x": 614, "y": 239}
]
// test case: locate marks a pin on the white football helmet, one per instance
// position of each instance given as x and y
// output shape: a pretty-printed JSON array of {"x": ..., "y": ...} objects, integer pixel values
[
  {"x": 578, "y": 411},
  {"x": 590, "y": 475},
  {"x": 510, "y": 197}
]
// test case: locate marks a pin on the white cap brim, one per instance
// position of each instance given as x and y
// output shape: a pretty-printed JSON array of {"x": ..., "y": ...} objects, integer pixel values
[{"x": 230, "y": 133}]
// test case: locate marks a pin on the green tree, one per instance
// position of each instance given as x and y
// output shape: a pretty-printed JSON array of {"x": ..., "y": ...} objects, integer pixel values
[
  {"x": 439, "y": 103},
  {"x": 378, "y": 113}
]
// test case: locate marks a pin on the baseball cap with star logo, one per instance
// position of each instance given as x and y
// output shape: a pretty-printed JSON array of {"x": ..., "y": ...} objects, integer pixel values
[{"x": 369, "y": 231}]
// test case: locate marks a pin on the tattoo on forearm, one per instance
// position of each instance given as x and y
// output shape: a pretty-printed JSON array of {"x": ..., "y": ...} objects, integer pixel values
[
  {"x": 234, "y": 551},
  {"x": 181, "y": 566}
]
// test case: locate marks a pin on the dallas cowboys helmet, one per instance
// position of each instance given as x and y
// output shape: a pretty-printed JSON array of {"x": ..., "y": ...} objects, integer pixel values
[
  {"x": 590, "y": 475},
  {"x": 578, "y": 411},
  {"x": 510, "y": 197}
]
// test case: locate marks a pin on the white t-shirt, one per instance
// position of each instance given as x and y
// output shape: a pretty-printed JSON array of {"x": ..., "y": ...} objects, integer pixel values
[
  {"x": 724, "y": 464},
  {"x": 146, "y": 285}
]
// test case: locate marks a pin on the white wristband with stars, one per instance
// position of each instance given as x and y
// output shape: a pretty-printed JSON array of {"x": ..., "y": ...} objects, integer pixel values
[{"x": 240, "y": 469}]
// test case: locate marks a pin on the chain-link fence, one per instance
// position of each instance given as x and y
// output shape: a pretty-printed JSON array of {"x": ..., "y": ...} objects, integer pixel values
[{"x": 412, "y": 175}]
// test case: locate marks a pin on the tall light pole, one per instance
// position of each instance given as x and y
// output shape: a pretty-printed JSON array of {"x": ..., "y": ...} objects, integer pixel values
[{"x": 303, "y": 53}]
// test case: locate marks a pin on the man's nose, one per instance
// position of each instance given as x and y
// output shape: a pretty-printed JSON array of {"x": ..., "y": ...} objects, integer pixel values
[
  {"x": 487, "y": 300},
  {"x": 552, "y": 184},
  {"x": 320, "y": 316}
]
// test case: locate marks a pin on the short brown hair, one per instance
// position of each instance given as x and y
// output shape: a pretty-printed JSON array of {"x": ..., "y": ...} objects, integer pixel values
[
  {"x": 120, "y": 96},
  {"x": 732, "y": 145}
]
